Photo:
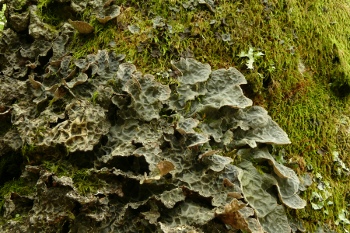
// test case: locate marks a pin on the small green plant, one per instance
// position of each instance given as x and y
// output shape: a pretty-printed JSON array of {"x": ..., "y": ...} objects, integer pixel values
[{"x": 94, "y": 97}]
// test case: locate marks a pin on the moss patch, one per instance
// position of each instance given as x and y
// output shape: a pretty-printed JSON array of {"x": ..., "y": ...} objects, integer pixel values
[{"x": 18, "y": 186}]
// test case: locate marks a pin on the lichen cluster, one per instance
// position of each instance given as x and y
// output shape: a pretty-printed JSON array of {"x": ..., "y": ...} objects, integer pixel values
[{"x": 182, "y": 157}]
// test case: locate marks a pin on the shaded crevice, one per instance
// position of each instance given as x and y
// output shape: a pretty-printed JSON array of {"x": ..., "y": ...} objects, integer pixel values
[
  {"x": 135, "y": 164},
  {"x": 82, "y": 159},
  {"x": 43, "y": 62},
  {"x": 5, "y": 122},
  {"x": 10, "y": 167}
]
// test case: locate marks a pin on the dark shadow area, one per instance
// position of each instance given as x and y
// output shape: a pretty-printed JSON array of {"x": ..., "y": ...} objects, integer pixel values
[
  {"x": 82, "y": 159},
  {"x": 10, "y": 167},
  {"x": 66, "y": 227},
  {"x": 197, "y": 198},
  {"x": 341, "y": 91},
  {"x": 43, "y": 60},
  {"x": 5, "y": 122},
  {"x": 22, "y": 203},
  {"x": 54, "y": 13},
  {"x": 137, "y": 165}
]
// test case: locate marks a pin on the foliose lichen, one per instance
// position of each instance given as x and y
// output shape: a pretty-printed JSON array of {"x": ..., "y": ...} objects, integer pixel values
[{"x": 158, "y": 150}]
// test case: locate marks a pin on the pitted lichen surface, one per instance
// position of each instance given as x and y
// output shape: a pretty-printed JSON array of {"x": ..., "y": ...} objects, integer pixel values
[{"x": 155, "y": 154}]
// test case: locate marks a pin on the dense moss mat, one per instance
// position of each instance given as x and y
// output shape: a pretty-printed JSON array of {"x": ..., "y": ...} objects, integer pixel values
[{"x": 303, "y": 78}]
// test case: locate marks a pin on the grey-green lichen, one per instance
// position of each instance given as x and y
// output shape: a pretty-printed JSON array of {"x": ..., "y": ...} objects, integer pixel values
[{"x": 157, "y": 150}]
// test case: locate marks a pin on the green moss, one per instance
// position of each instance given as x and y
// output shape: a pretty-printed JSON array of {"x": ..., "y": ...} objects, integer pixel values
[
  {"x": 48, "y": 13},
  {"x": 59, "y": 168},
  {"x": 18, "y": 186},
  {"x": 86, "y": 182},
  {"x": 27, "y": 149},
  {"x": 42, "y": 4},
  {"x": 2, "y": 17},
  {"x": 83, "y": 180}
]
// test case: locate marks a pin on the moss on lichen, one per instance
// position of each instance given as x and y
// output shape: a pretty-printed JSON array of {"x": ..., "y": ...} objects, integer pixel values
[
  {"x": 82, "y": 178},
  {"x": 18, "y": 186}
]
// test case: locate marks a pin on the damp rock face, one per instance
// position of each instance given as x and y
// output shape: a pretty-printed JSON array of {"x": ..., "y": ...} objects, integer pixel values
[{"x": 160, "y": 157}]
